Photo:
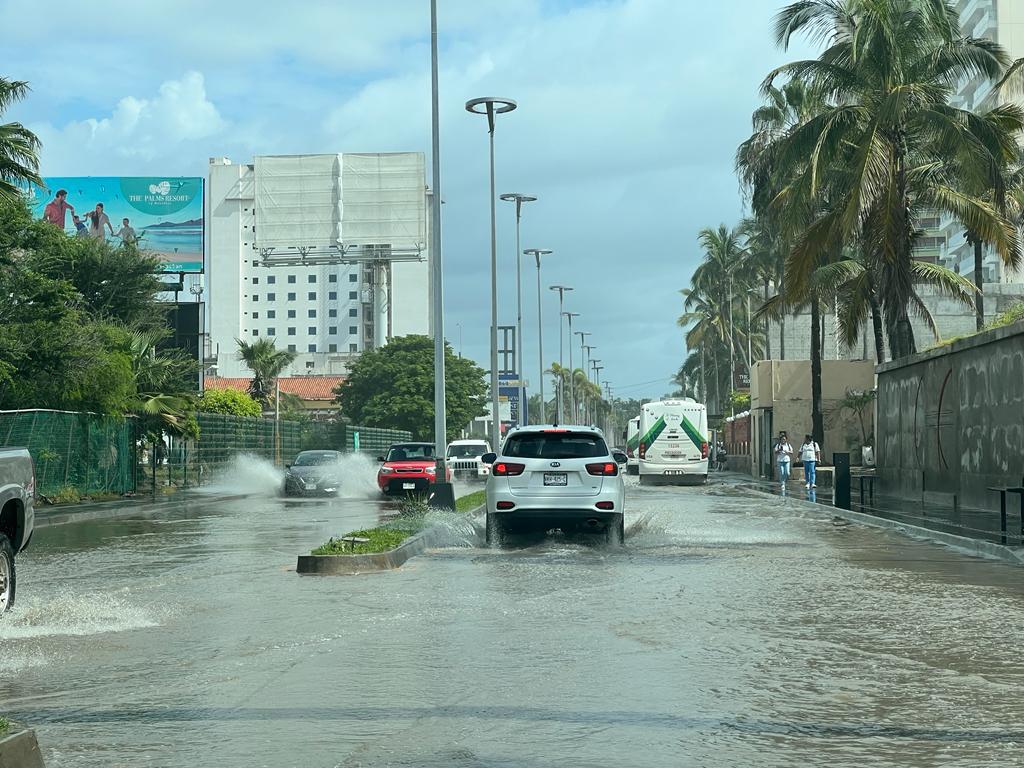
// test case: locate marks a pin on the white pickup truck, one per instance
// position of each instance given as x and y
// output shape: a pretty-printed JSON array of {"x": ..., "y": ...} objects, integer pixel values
[
  {"x": 17, "y": 495},
  {"x": 464, "y": 458}
]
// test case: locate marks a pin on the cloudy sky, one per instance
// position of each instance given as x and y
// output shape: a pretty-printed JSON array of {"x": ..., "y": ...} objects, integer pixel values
[{"x": 629, "y": 115}]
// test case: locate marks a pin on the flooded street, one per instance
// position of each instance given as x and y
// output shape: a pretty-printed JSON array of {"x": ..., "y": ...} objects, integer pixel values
[{"x": 728, "y": 632}]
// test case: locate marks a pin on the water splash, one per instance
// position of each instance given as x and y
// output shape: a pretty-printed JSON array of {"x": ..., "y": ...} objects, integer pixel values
[
  {"x": 246, "y": 475},
  {"x": 71, "y": 614}
]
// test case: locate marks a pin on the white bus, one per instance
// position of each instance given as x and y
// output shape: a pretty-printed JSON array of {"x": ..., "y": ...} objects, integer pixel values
[
  {"x": 632, "y": 443},
  {"x": 673, "y": 441}
]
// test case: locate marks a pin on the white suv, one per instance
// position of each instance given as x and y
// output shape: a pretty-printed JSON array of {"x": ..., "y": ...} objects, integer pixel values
[
  {"x": 555, "y": 477},
  {"x": 464, "y": 459}
]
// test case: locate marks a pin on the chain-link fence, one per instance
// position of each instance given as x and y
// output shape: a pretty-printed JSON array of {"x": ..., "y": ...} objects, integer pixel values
[{"x": 86, "y": 454}]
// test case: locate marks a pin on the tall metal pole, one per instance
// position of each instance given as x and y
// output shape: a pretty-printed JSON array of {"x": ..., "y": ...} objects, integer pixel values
[
  {"x": 537, "y": 253},
  {"x": 443, "y": 495},
  {"x": 519, "y": 200},
  {"x": 572, "y": 378},
  {"x": 561, "y": 350},
  {"x": 277, "y": 423},
  {"x": 493, "y": 107}
]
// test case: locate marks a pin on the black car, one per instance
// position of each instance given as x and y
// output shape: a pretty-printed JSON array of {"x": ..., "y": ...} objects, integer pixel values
[{"x": 314, "y": 473}]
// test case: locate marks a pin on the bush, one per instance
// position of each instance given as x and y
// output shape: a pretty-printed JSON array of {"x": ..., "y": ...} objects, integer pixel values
[{"x": 229, "y": 401}]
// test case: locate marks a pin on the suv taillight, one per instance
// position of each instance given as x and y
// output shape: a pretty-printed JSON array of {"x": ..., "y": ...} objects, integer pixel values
[
  {"x": 703, "y": 450},
  {"x": 508, "y": 469},
  {"x": 643, "y": 450},
  {"x": 606, "y": 468}
]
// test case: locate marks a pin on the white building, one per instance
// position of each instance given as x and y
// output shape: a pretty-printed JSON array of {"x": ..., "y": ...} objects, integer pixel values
[
  {"x": 325, "y": 254},
  {"x": 1003, "y": 22}
]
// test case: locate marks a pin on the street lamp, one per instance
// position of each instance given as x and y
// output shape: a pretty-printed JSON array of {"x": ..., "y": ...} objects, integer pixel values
[
  {"x": 491, "y": 106},
  {"x": 586, "y": 375},
  {"x": 537, "y": 253},
  {"x": 519, "y": 199},
  {"x": 561, "y": 354},
  {"x": 444, "y": 494},
  {"x": 572, "y": 382}
]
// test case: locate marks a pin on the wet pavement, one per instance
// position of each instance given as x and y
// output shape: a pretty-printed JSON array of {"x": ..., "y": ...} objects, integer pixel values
[{"x": 730, "y": 631}]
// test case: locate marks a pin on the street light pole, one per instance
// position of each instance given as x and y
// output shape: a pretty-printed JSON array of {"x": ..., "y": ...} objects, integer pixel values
[
  {"x": 491, "y": 106},
  {"x": 561, "y": 351},
  {"x": 590, "y": 348},
  {"x": 443, "y": 495},
  {"x": 583, "y": 345},
  {"x": 572, "y": 377},
  {"x": 537, "y": 253},
  {"x": 519, "y": 199}
]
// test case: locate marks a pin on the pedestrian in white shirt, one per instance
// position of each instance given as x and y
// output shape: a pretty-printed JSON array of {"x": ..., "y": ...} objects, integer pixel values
[
  {"x": 810, "y": 455},
  {"x": 783, "y": 457}
]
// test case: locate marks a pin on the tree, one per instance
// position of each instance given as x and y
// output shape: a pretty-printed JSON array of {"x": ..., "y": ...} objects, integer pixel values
[
  {"x": 231, "y": 402},
  {"x": 266, "y": 362},
  {"x": 19, "y": 147},
  {"x": 393, "y": 387}
]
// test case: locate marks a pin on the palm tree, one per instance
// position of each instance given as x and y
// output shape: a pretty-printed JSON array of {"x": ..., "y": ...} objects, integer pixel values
[
  {"x": 19, "y": 147},
  {"x": 721, "y": 274},
  {"x": 266, "y": 362},
  {"x": 881, "y": 149}
]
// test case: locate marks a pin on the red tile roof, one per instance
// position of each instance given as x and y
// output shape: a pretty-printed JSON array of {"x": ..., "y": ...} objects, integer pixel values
[{"x": 306, "y": 387}]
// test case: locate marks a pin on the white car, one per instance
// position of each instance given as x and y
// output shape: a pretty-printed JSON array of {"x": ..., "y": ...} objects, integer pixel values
[
  {"x": 465, "y": 459},
  {"x": 549, "y": 477}
]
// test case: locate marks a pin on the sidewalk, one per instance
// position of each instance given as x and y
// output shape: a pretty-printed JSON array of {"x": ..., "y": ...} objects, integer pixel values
[
  {"x": 62, "y": 514},
  {"x": 979, "y": 524}
]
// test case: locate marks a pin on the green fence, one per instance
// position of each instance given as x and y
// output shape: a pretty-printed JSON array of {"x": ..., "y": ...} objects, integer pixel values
[
  {"x": 102, "y": 454},
  {"x": 92, "y": 454}
]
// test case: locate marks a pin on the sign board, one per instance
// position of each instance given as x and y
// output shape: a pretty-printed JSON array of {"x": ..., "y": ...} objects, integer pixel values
[
  {"x": 508, "y": 393},
  {"x": 164, "y": 213},
  {"x": 741, "y": 377}
]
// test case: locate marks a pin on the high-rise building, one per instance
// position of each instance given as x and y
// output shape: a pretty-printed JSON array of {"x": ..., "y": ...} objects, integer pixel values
[
  {"x": 1003, "y": 22},
  {"x": 325, "y": 254}
]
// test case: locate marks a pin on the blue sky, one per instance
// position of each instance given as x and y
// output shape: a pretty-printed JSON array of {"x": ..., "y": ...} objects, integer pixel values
[{"x": 630, "y": 113}]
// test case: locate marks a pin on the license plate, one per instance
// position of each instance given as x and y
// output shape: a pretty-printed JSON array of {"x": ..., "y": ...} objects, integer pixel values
[
  {"x": 310, "y": 486},
  {"x": 673, "y": 455},
  {"x": 408, "y": 486},
  {"x": 556, "y": 478}
]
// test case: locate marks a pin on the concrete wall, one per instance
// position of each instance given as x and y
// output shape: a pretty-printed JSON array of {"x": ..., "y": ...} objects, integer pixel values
[
  {"x": 781, "y": 400},
  {"x": 951, "y": 421}
]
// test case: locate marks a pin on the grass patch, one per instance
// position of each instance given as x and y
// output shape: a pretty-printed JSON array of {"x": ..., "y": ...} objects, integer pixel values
[
  {"x": 380, "y": 540},
  {"x": 5, "y": 725},
  {"x": 470, "y": 501}
]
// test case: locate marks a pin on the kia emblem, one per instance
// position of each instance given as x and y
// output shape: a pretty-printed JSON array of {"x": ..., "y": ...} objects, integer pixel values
[{"x": 556, "y": 463}]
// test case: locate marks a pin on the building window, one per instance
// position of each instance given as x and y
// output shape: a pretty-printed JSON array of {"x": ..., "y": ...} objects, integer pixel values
[
  {"x": 930, "y": 242},
  {"x": 291, "y": 297},
  {"x": 311, "y": 279},
  {"x": 929, "y": 222},
  {"x": 311, "y": 295},
  {"x": 271, "y": 279},
  {"x": 310, "y": 364},
  {"x": 255, "y": 281},
  {"x": 291, "y": 278},
  {"x": 255, "y": 297},
  {"x": 291, "y": 347},
  {"x": 353, "y": 278},
  {"x": 332, "y": 296},
  {"x": 255, "y": 332},
  {"x": 312, "y": 313},
  {"x": 354, "y": 329},
  {"x": 256, "y": 315},
  {"x": 332, "y": 278},
  {"x": 353, "y": 313},
  {"x": 353, "y": 295},
  {"x": 334, "y": 348},
  {"x": 333, "y": 330},
  {"x": 271, "y": 314},
  {"x": 271, "y": 331},
  {"x": 311, "y": 330},
  {"x": 353, "y": 347},
  {"x": 271, "y": 297},
  {"x": 291, "y": 331},
  {"x": 291, "y": 314},
  {"x": 312, "y": 347},
  {"x": 332, "y": 313}
]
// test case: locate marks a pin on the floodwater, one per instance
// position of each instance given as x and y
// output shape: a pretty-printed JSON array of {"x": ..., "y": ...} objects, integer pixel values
[{"x": 730, "y": 631}]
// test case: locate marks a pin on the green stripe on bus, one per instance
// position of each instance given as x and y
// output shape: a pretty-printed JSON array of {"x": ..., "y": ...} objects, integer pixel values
[
  {"x": 652, "y": 434},
  {"x": 693, "y": 433}
]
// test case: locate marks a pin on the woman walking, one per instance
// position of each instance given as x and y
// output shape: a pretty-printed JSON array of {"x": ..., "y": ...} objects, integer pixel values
[{"x": 810, "y": 455}]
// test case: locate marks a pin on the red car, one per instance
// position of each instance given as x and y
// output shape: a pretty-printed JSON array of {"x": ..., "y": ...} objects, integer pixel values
[{"x": 408, "y": 468}]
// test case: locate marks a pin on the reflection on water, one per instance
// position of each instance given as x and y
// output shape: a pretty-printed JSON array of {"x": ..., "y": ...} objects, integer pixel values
[{"x": 728, "y": 632}]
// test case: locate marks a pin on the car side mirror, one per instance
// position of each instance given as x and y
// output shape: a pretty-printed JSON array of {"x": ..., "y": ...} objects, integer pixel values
[
  {"x": 489, "y": 458},
  {"x": 380, "y": 459},
  {"x": 620, "y": 457}
]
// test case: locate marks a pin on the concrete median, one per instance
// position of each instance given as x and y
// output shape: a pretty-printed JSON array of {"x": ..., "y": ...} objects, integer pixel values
[{"x": 19, "y": 748}]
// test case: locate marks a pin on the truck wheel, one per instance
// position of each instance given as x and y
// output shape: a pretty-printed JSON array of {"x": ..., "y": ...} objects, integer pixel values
[
  {"x": 616, "y": 533},
  {"x": 8, "y": 576}
]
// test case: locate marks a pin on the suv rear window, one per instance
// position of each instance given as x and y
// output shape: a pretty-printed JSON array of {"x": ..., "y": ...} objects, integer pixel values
[{"x": 555, "y": 445}]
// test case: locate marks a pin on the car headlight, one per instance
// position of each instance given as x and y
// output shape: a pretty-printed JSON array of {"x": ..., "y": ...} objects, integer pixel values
[{"x": 431, "y": 470}]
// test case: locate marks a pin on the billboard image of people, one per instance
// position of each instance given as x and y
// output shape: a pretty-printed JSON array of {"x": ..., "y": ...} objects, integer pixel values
[{"x": 162, "y": 215}]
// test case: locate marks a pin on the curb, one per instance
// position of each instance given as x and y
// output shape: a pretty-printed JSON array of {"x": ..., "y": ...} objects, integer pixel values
[
  {"x": 20, "y": 749},
  {"x": 344, "y": 565},
  {"x": 49, "y": 516},
  {"x": 976, "y": 547}
]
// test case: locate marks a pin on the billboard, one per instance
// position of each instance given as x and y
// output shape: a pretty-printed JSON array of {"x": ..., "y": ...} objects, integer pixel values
[
  {"x": 508, "y": 399},
  {"x": 165, "y": 213}
]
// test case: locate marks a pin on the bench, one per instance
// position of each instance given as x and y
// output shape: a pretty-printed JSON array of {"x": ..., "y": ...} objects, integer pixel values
[
  {"x": 1002, "y": 491},
  {"x": 866, "y": 479}
]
